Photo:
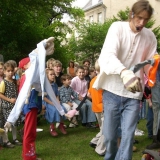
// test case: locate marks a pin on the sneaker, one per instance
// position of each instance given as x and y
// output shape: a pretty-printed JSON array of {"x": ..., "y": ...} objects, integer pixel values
[
  {"x": 138, "y": 133},
  {"x": 90, "y": 125},
  {"x": 71, "y": 125},
  {"x": 8, "y": 145},
  {"x": 16, "y": 142},
  {"x": 92, "y": 145},
  {"x": 138, "y": 130}
]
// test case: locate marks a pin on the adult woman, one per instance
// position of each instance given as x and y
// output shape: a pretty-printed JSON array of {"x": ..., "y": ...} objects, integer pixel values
[{"x": 71, "y": 69}]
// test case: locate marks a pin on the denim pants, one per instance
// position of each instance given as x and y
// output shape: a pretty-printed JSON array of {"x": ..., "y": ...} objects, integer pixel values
[
  {"x": 142, "y": 113},
  {"x": 149, "y": 124},
  {"x": 86, "y": 113},
  {"x": 156, "y": 107},
  {"x": 124, "y": 112}
]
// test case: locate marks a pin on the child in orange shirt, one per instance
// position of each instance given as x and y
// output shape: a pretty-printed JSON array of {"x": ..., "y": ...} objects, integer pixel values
[{"x": 97, "y": 107}]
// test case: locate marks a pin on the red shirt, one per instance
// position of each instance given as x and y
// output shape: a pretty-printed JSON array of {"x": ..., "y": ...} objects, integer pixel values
[{"x": 21, "y": 82}]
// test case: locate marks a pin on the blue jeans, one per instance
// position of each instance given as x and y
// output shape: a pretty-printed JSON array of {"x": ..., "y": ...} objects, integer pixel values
[
  {"x": 124, "y": 112},
  {"x": 149, "y": 124},
  {"x": 87, "y": 115},
  {"x": 142, "y": 113},
  {"x": 156, "y": 107}
]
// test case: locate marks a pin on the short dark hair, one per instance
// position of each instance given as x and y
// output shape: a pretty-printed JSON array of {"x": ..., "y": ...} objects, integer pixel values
[
  {"x": 79, "y": 67},
  {"x": 86, "y": 68},
  {"x": 64, "y": 77},
  {"x": 71, "y": 62},
  {"x": 86, "y": 60},
  {"x": 8, "y": 64}
]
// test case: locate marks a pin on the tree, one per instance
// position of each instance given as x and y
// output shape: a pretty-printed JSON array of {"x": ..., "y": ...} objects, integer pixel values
[
  {"x": 90, "y": 40},
  {"x": 92, "y": 35},
  {"x": 25, "y": 23}
]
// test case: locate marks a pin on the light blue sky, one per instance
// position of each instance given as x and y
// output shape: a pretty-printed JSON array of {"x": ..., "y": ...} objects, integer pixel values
[{"x": 80, "y": 3}]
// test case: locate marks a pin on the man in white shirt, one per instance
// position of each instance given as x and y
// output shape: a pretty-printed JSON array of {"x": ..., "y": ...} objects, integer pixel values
[{"x": 126, "y": 44}]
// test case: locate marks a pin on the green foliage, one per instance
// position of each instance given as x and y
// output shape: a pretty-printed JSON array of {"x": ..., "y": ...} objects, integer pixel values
[
  {"x": 123, "y": 15},
  {"x": 156, "y": 31},
  {"x": 25, "y": 23},
  {"x": 90, "y": 40},
  {"x": 92, "y": 35}
]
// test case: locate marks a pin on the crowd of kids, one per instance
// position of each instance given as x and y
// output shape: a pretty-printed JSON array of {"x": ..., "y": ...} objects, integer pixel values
[{"x": 70, "y": 92}]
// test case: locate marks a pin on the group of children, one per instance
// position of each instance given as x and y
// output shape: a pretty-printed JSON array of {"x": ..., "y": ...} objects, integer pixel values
[{"x": 69, "y": 91}]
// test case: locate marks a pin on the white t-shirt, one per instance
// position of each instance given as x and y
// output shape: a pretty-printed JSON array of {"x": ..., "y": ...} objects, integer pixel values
[{"x": 123, "y": 49}]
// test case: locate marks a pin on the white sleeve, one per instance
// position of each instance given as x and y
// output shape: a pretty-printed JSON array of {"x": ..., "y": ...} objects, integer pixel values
[{"x": 108, "y": 60}]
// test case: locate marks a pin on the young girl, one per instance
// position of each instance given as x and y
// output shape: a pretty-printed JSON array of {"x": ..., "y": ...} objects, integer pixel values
[
  {"x": 8, "y": 95},
  {"x": 1, "y": 78},
  {"x": 51, "y": 114}
]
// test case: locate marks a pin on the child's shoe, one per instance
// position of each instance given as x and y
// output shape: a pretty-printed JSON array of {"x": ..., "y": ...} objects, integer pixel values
[
  {"x": 71, "y": 125},
  {"x": 74, "y": 121},
  {"x": 16, "y": 142},
  {"x": 53, "y": 131},
  {"x": 62, "y": 129},
  {"x": 8, "y": 145}
]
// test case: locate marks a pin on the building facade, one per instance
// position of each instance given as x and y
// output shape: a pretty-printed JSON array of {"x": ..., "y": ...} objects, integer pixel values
[{"x": 100, "y": 10}]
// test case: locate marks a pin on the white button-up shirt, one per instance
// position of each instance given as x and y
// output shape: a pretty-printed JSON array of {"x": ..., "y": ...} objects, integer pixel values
[{"x": 123, "y": 49}]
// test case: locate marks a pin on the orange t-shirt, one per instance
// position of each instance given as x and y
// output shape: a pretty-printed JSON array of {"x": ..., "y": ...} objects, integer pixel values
[
  {"x": 72, "y": 72},
  {"x": 96, "y": 95}
]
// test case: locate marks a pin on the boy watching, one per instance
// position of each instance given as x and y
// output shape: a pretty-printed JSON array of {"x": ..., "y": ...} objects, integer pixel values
[
  {"x": 80, "y": 85},
  {"x": 65, "y": 94}
]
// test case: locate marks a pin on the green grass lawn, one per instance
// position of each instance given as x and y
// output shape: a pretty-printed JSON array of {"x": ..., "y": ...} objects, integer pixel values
[{"x": 73, "y": 146}]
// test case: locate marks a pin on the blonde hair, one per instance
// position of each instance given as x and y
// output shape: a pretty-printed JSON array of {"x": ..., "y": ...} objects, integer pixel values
[
  {"x": 50, "y": 70},
  {"x": 97, "y": 67},
  {"x": 51, "y": 60},
  {"x": 57, "y": 63}
]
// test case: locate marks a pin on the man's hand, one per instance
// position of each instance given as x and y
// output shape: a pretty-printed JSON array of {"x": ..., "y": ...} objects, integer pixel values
[
  {"x": 49, "y": 45},
  {"x": 131, "y": 82},
  {"x": 8, "y": 126}
]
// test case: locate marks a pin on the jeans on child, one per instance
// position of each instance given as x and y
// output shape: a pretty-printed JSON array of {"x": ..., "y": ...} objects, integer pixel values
[
  {"x": 142, "y": 113},
  {"x": 156, "y": 107},
  {"x": 86, "y": 112},
  {"x": 119, "y": 111},
  {"x": 149, "y": 124}
]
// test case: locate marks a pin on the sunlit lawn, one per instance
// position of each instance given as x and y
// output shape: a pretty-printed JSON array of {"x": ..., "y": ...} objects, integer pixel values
[{"x": 73, "y": 146}]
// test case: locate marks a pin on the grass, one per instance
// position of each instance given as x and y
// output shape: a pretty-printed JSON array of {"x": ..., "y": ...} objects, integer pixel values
[{"x": 73, "y": 146}]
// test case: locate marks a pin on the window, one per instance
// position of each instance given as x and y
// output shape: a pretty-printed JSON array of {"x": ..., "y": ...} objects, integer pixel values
[
  {"x": 91, "y": 19},
  {"x": 100, "y": 17}
]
